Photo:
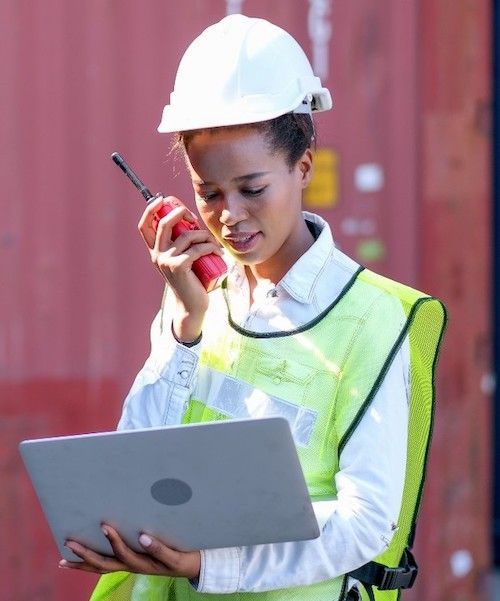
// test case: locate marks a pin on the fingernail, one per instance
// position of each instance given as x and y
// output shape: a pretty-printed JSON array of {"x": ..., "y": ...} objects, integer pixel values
[
  {"x": 63, "y": 563},
  {"x": 145, "y": 540},
  {"x": 104, "y": 530}
]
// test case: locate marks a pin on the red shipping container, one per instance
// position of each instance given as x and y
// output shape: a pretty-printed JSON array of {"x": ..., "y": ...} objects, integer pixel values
[{"x": 403, "y": 175}]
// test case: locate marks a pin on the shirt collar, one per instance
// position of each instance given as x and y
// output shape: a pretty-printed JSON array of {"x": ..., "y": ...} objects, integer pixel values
[{"x": 302, "y": 278}]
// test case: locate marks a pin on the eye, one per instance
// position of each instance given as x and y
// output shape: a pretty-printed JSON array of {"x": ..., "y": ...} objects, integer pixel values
[
  {"x": 253, "y": 191},
  {"x": 206, "y": 196}
]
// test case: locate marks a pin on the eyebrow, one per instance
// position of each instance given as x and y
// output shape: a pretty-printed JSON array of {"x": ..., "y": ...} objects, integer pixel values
[{"x": 239, "y": 179}]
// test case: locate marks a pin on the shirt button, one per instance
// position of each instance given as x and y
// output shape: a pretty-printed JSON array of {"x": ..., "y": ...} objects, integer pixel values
[{"x": 277, "y": 380}]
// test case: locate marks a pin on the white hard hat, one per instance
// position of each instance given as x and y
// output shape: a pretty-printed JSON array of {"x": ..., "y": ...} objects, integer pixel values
[{"x": 241, "y": 70}]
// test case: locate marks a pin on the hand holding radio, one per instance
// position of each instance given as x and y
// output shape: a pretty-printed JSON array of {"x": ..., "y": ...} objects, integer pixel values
[
  {"x": 188, "y": 257},
  {"x": 208, "y": 267}
]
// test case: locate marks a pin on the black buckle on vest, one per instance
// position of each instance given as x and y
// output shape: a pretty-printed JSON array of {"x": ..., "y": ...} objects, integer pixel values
[
  {"x": 384, "y": 578},
  {"x": 395, "y": 578}
]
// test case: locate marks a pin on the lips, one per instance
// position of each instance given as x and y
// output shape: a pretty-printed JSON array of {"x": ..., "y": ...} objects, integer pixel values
[{"x": 242, "y": 242}]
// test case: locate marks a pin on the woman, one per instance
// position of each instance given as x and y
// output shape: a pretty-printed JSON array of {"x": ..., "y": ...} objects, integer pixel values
[{"x": 296, "y": 321}]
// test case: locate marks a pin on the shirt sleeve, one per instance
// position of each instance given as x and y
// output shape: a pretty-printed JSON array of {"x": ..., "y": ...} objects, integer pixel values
[
  {"x": 355, "y": 527},
  {"x": 161, "y": 390}
]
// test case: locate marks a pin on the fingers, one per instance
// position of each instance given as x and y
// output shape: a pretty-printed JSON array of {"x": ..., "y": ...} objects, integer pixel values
[
  {"x": 147, "y": 222},
  {"x": 159, "y": 208},
  {"x": 178, "y": 257},
  {"x": 83, "y": 566},
  {"x": 157, "y": 559},
  {"x": 164, "y": 241},
  {"x": 92, "y": 561},
  {"x": 134, "y": 562},
  {"x": 125, "y": 559},
  {"x": 184, "y": 255}
]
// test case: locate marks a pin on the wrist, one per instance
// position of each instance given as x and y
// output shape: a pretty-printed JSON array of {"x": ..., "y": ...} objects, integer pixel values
[
  {"x": 183, "y": 341},
  {"x": 186, "y": 326}
]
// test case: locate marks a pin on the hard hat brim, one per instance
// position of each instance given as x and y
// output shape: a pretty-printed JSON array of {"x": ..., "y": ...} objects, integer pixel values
[{"x": 174, "y": 120}]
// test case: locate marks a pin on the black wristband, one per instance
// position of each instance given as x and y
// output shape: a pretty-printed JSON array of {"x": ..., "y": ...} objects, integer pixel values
[{"x": 188, "y": 344}]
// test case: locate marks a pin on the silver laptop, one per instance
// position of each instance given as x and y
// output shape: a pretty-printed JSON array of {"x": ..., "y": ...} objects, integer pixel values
[{"x": 196, "y": 486}]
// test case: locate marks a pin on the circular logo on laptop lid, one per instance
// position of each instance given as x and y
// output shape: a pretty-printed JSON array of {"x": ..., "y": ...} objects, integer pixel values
[{"x": 171, "y": 491}]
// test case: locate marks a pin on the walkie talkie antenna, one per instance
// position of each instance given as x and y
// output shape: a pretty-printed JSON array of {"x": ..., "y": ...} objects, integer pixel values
[{"x": 120, "y": 161}]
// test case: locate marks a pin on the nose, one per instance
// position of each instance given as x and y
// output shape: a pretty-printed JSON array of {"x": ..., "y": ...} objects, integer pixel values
[{"x": 234, "y": 210}]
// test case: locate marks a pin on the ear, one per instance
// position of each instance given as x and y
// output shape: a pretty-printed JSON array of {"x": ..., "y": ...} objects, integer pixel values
[{"x": 305, "y": 167}]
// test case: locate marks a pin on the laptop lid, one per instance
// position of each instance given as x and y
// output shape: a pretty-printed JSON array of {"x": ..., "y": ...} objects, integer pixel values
[{"x": 194, "y": 486}]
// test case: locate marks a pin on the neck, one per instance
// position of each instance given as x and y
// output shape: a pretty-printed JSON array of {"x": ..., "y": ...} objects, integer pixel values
[{"x": 275, "y": 268}]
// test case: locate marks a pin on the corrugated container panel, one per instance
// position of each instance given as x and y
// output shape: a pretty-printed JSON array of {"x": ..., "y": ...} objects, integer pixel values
[
  {"x": 496, "y": 282},
  {"x": 405, "y": 161},
  {"x": 455, "y": 244}
]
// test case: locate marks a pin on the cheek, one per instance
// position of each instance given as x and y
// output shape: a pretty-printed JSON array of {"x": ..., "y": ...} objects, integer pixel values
[{"x": 209, "y": 215}]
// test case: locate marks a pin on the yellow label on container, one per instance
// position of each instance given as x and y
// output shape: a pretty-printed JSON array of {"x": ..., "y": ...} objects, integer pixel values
[{"x": 323, "y": 191}]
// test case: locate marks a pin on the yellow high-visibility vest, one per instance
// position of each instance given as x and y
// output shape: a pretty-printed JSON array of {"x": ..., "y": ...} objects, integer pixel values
[{"x": 326, "y": 374}]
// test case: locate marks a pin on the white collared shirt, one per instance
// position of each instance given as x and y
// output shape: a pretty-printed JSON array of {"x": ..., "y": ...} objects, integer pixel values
[{"x": 359, "y": 524}]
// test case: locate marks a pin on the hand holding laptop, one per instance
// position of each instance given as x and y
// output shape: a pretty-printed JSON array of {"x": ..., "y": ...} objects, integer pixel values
[{"x": 157, "y": 559}]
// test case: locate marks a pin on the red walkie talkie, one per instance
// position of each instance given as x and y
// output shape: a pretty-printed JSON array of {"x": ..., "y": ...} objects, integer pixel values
[{"x": 208, "y": 268}]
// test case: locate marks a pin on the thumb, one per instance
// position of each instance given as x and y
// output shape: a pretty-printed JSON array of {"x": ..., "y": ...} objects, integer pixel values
[
  {"x": 158, "y": 550},
  {"x": 149, "y": 543},
  {"x": 178, "y": 563}
]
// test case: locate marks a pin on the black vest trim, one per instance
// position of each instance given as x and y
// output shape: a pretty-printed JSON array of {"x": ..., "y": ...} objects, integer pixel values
[{"x": 282, "y": 334}]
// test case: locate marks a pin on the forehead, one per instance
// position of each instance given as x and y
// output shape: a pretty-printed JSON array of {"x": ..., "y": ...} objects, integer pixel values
[{"x": 226, "y": 153}]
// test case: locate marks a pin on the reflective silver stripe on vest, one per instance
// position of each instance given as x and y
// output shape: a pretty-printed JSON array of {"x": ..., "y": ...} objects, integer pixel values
[{"x": 239, "y": 400}]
